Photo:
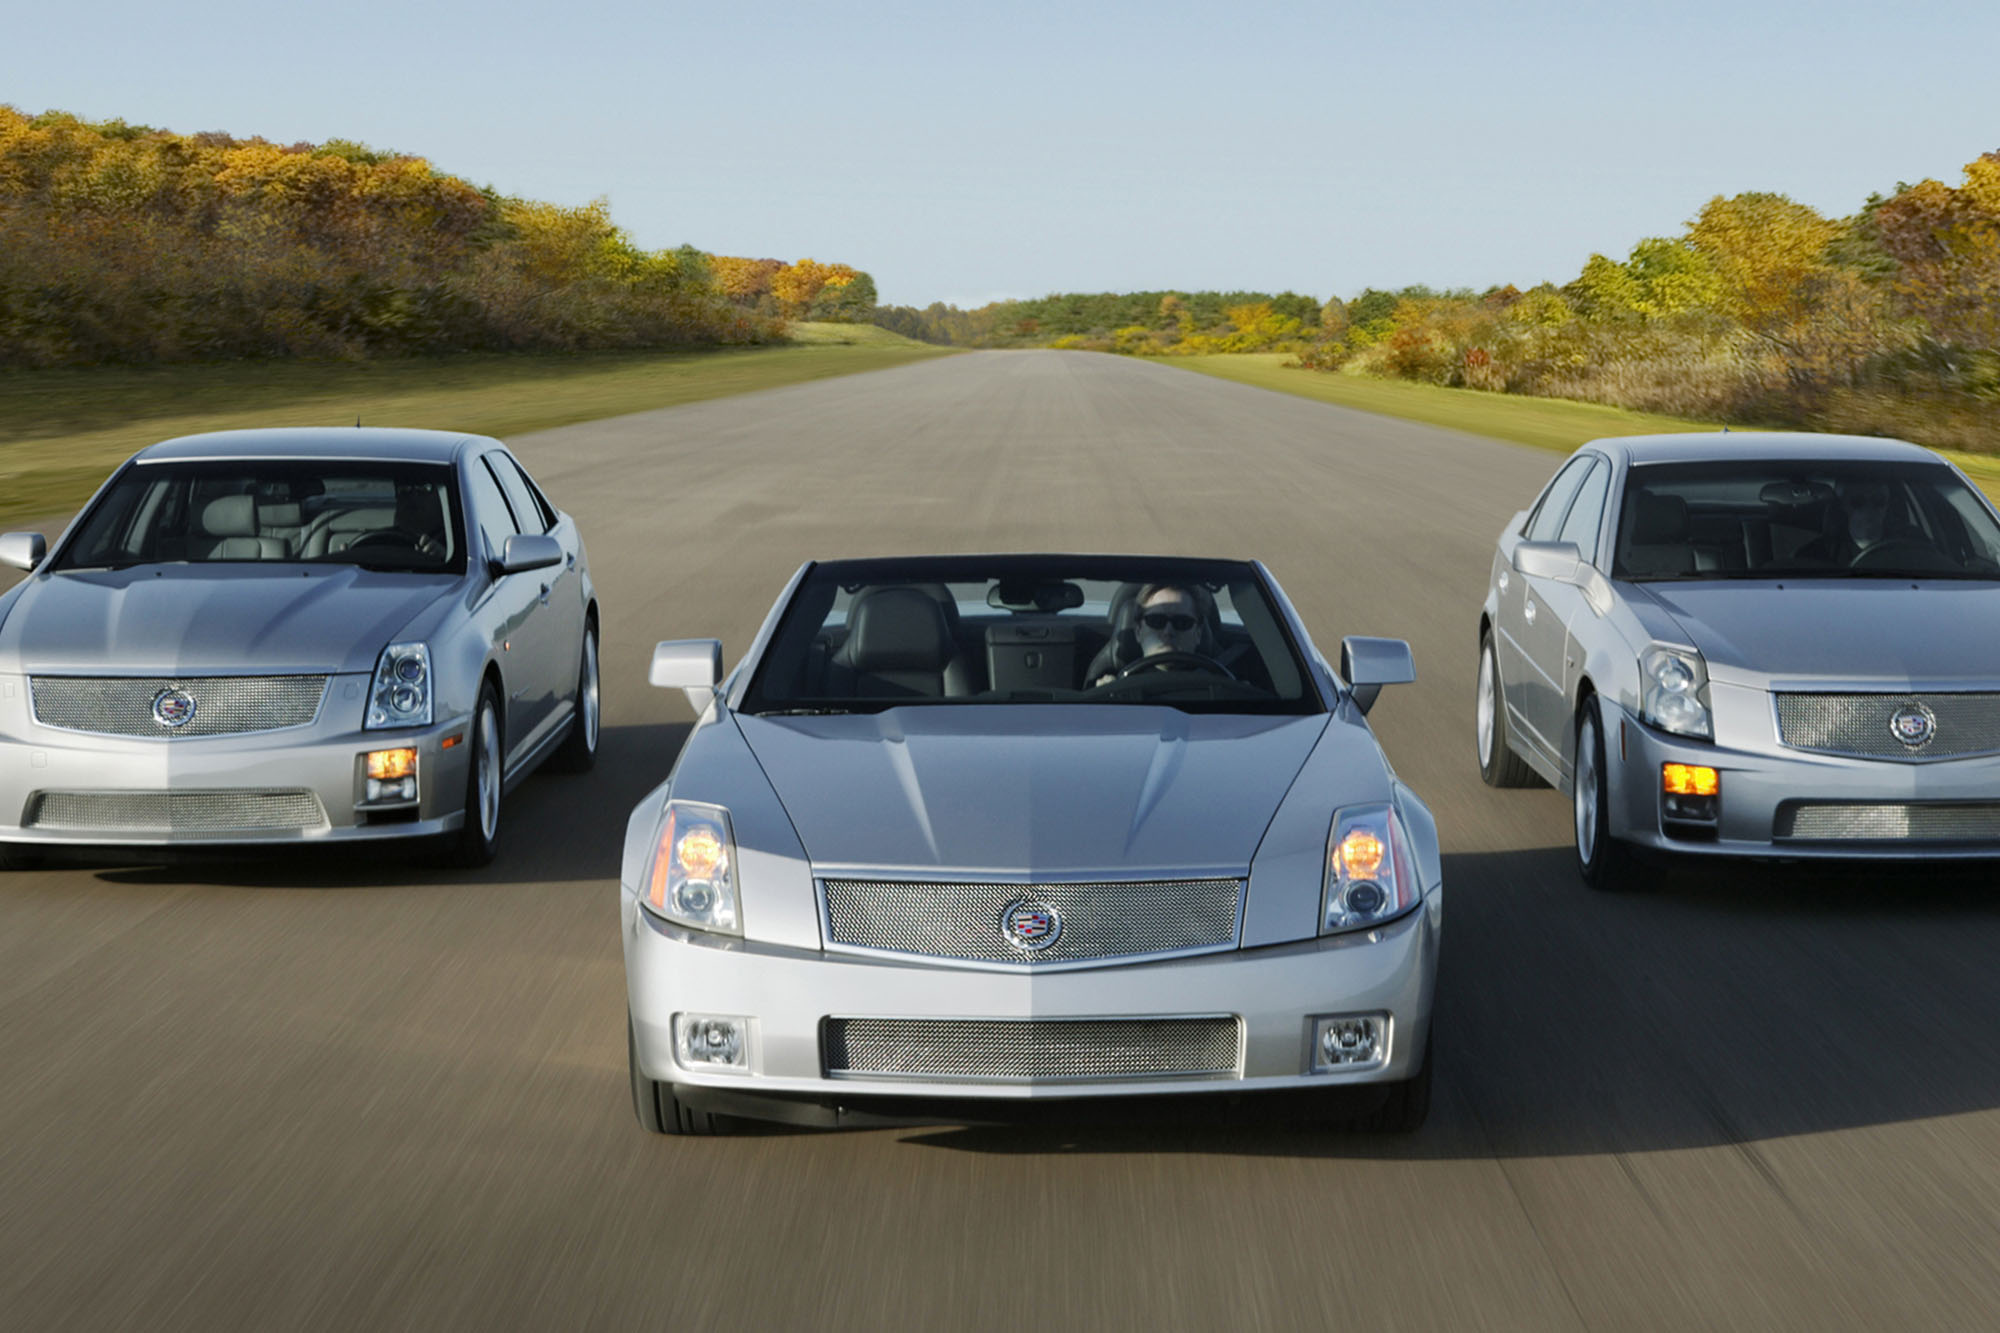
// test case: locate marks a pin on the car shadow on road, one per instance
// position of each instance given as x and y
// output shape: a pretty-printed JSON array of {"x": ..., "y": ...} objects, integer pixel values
[
  {"x": 1720, "y": 1007},
  {"x": 555, "y": 828}
]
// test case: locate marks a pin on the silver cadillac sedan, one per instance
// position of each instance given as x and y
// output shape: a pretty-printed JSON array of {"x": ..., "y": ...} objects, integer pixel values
[
  {"x": 1750, "y": 645},
  {"x": 971, "y": 837},
  {"x": 295, "y": 636}
]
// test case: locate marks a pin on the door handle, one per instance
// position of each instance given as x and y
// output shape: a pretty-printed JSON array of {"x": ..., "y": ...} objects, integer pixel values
[
  {"x": 1504, "y": 580},
  {"x": 1528, "y": 610},
  {"x": 545, "y": 594},
  {"x": 569, "y": 559}
]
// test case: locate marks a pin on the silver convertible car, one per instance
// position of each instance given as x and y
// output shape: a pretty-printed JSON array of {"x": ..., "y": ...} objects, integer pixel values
[
  {"x": 1750, "y": 645},
  {"x": 294, "y": 636},
  {"x": 966, "y": 836}
]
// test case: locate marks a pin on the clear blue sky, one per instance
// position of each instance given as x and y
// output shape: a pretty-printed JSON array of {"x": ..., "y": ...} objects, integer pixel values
[{"x": 966, "y": 153}]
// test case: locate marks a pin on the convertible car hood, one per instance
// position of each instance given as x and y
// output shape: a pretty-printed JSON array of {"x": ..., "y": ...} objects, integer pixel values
[
  {"x": 223, "y": 618},
  {"x": 1848, "y": 630},
  {"x": 1032, "y": 790}
]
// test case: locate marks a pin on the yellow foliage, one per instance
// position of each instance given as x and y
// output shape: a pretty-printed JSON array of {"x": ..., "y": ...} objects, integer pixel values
[
  {"x": 795, "y": 285},
  {"x": 1768, "y": 253}
]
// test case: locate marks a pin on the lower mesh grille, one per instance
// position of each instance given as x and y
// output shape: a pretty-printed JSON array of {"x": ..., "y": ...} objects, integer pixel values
[
  {"x": 990, "y": 1050},
  {"x": 1801, "y": 821},
  {"x": 176, "y": 813}
]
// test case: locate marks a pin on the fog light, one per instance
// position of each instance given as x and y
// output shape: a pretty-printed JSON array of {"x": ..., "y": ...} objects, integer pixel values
[
  {"x": 711, "y": 1041},
  {"x": 1350, "y": 1041},
  {"x": 387, "y": 764},
  {"x": 1689, "y": 780}
]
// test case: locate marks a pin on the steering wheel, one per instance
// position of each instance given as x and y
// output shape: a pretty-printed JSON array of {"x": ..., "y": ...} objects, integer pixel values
[
  {"x": 423, "y": 543},
  {"x": 1175, "y": 658},
  {"x": 1919, "y": 555}
]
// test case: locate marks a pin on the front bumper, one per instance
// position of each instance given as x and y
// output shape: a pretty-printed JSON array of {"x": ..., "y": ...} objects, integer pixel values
[
  {"x": 788, "y": 994},
  {"x": 48, "y": 775},
  {"x": 1756, "y": 784}
]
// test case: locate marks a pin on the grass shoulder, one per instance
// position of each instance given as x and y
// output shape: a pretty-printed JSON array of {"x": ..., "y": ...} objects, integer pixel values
[
  {"x": 1545, "y": 423},
  {"x": 62, "y": 431}
]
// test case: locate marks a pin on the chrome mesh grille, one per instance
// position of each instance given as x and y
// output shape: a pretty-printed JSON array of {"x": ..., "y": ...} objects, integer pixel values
[
  {"x": 1099, "y": 920},
  {"x": 176, "y": 813},
  {"x": 224, "y": 705},
  {"x": 1023, "y": 1050},
  {"x": 1858, "y": 724},
  {"x": 1827, "y": 821}
]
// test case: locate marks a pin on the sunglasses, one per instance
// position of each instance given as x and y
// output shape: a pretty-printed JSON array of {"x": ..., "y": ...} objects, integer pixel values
[{"x": 1159, "y": 620}]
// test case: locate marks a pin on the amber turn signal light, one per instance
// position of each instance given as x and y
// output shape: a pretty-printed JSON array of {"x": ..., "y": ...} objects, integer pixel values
[{"x": 1689, "y": 780}]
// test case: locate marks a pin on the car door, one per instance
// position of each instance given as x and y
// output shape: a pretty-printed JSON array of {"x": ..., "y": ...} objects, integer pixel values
[
  {"x": 1520, "y": 612},
  {"x": 564, "y": 600},
  {"x": 510, "y": 614},
  {"x": 1562, "y": 609}
]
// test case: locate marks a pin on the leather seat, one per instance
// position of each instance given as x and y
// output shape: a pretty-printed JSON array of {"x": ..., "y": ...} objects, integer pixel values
[
  {"x": 1658, "y": 543},
  {"x": 898, "y": 644},
  {"x": 231, "y": 524}
]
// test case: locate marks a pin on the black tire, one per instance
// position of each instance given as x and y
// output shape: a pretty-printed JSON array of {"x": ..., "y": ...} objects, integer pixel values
[
  {"x": 578, "y": 752},
  {"x": 479, "y": 837},
  {"x": 659, "y": 1111},
  {"x": 1606, "y": 863},
  {"x": 1408, "y": 1104},
  {"x": 1499, "y": 766}
]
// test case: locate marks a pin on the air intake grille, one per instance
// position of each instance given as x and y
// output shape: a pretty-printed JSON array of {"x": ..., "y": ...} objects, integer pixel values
[
  {"x": 1802, "y": 821},
  {"x": 223, "y": 705},
  {"x": 1108, "y": 920},
  {"x": 1031, "y": 1050},
  {"x": 194, "y": 814},
  {"x": 1858, "y": 724}
]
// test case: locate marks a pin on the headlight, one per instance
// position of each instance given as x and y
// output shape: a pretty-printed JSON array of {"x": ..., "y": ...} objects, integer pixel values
[
  {"x": 692, "y": 879},
  {"x": 1675, "y": 681},
  {"x": 401, "y": 694},
  {"x": 1370, "y": 874}
]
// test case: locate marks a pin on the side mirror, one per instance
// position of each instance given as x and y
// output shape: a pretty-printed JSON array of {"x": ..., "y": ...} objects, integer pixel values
[
  {"x": 694, "y": 665},
  {"x": 523, "y": 553},
  {"x": 23, "y": 550},
  {"x": 1368, "y": 664},
  {"x": 1548, "y": 560}
]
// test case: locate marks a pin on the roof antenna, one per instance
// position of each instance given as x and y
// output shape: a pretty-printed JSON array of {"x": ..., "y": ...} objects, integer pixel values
[
  {"x": 1725, "y": 429},
  {"x": 357, "y": 421}
]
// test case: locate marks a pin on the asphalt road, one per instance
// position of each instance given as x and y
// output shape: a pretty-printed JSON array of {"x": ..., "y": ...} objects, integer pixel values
[{"x": 310, "y": 1094}]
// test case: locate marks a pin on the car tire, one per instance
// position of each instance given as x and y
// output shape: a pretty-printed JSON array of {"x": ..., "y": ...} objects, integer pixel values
[
  {"x": 479, "y": 837},
  {"x": 1499, "y": 766},
  {"x": 578, "y": 753},
  {"x": 659, "y": 1111},
  {"x": 1407, "y": 1106},
  {"x": 1605, "y": 862}
]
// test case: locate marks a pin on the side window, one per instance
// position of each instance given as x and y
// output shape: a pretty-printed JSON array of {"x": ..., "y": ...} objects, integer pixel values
[
  {"x": 527, "y": 514},
  {"x": 1586, "y": 515},
  {"x": 489, "y": 511},
  {"x": 1546, "y": 521},
  {"x": 541, "y": 501}
]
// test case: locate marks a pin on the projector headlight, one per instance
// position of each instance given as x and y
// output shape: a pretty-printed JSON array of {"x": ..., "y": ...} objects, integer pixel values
[
  {"x": 1370, "y": 874},
  {"x": 692, "y": 879},
  {"x": 1675, "y": 681},
  {"x": 401, "y": 693}
]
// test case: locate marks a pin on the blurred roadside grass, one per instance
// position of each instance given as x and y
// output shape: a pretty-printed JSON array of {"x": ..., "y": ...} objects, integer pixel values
[
  {"x": 1545, "y": 423},
  {"x": 62, "y": 431}
]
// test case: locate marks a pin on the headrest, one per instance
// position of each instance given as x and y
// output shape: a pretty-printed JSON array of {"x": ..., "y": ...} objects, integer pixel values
[
  {"x": 940, "y": 594},
  {"x": 1659, "y": 520},
  {"x": 279, "y": 516},
  {"x": 419, "y": 510},
  {"x": 896, "y": 629},
  {"x": 231, "y": 516}
]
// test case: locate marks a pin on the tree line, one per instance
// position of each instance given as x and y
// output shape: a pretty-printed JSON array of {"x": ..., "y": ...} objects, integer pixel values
[{"x": 123, "y": 243}]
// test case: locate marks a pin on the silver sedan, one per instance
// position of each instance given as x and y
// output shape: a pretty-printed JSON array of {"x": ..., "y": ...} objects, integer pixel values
[
  {"x": 964, "y": 836},
  {"x": 1750, "y": 645},
  {"x": 294, "y": 636}
]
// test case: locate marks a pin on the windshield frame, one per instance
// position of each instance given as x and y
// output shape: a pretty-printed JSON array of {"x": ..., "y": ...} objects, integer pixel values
[
  {"x": 67, "y": 557},
  {"x": 792, "y": 623}
]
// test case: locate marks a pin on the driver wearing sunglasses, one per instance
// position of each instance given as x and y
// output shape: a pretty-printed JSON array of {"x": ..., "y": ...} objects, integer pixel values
[{"x": 1168, "y": 620}]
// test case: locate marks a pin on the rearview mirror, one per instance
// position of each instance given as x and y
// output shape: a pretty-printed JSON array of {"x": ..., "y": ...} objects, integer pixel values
[
  {"x": 23, "y": 550},
  {"x": 694, "y": 665},
  {"x": 1548, "y": 560},
  {"x": 1368, "y": 664}
]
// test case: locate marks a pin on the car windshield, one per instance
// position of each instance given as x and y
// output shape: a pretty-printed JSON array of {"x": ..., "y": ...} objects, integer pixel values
[
  {"x": 381, "y": 515},
  {"x": 1793, "y": 519},
  {"x": 1200, "y": 635}
]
